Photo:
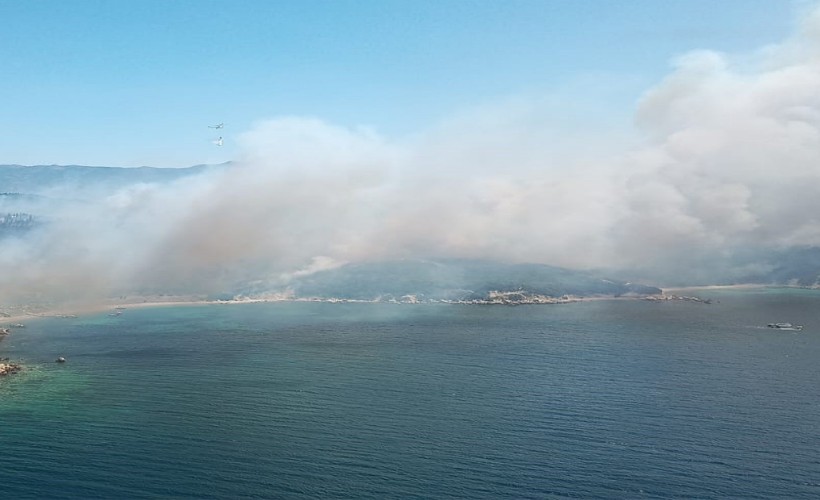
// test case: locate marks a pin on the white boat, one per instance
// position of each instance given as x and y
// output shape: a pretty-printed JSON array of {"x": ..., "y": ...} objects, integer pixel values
[{"x": 785, "y": 326}]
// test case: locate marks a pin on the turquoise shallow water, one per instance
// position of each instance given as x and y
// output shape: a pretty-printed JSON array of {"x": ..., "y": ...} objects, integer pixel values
[{"x": 611, "y": 399}]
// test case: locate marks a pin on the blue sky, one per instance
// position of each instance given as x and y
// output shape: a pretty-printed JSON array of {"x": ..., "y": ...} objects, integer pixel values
[{"x": 130, "y": 83}]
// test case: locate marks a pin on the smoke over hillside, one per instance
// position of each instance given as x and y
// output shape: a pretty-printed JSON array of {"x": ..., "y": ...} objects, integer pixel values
[{"x": 726, "y": 161}]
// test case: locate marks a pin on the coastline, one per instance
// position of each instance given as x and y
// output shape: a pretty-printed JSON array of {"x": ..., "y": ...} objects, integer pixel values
[
  {"x": 30, "y": 312},
  {"x": 13, "y": 317},
  {"x": 20, "y": 314},
  {"x": 23, "y": 313},
  {"x": 9, "y": 322},
  {"x": 15, "y": 320}
]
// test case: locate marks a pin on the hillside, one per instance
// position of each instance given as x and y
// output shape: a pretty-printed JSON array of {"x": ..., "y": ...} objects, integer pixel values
[{"x": 457, "y": 280}]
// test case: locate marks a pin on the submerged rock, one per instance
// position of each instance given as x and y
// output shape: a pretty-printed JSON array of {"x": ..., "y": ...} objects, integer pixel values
[{"x": 9, "y": 368}]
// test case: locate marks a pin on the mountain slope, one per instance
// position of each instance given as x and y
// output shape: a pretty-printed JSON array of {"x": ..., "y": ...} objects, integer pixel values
[{"x": 456, "y": 280}]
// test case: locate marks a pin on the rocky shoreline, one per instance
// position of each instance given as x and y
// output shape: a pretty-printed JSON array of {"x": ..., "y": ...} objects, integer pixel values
[{"x": 6, "y": 367}]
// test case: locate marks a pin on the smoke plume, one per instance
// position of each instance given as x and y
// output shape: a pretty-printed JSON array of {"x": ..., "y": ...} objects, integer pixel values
[{"x": 726, "y": 160}]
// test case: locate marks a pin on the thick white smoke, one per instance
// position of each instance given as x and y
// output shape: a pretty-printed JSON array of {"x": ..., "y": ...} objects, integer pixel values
[{"x": 728, "y": 160}]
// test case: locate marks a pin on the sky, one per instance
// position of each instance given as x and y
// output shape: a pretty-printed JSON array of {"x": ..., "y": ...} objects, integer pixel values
[
  {"x": 96, "y": 82},
  {"x": 675, "y": 140}
]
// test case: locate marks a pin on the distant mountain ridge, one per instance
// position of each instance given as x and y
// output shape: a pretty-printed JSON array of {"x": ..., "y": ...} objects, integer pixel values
[{"x": 32, "y": 179}]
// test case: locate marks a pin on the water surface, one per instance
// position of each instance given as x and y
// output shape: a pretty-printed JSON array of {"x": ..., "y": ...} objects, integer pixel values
[{"x": 609, "y": 399}]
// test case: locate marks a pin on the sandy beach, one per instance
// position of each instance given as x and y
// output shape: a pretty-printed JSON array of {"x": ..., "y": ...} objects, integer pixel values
[{"x": 20, "y": 314}]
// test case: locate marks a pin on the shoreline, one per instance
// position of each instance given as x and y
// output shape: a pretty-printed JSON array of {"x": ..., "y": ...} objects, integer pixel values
[
  {"x": 69, "y": 312},
  {"x": 23, "y": 313}
]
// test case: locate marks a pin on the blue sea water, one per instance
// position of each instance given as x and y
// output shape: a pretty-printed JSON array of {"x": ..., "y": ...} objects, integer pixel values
[{"x": 608, "y": 399}]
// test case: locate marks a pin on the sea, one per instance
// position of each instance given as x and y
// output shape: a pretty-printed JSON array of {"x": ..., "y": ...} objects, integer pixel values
[{"x": 597, "y": 399}]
